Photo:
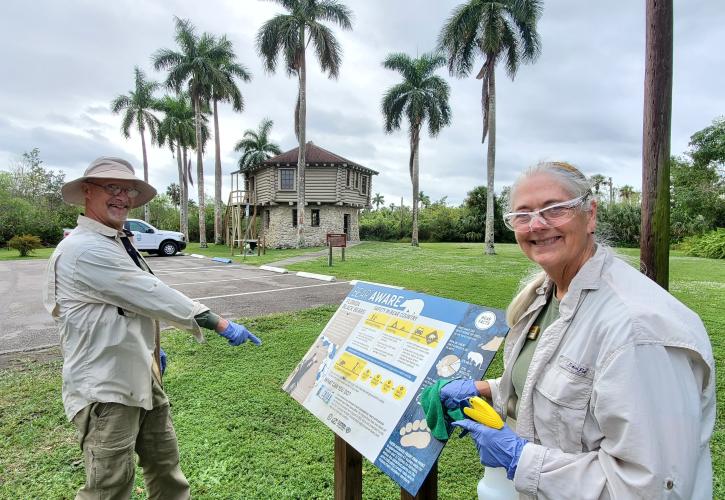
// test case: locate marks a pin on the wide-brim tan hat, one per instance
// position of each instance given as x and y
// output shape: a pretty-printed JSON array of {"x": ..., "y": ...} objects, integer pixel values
[{"x": 107, "y": 167}]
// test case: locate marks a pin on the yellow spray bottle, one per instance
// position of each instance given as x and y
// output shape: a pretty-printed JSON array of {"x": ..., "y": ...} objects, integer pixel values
[{"x": 494, "y": 485}]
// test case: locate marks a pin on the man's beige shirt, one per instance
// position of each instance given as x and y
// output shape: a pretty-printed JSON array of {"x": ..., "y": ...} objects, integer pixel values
[{"x": 105, "y": 308}]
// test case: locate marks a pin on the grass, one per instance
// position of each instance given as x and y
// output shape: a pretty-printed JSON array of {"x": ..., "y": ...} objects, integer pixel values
[
  {"x": 462, "y": 272},
  {"x": 271, "y": 254},
  {"x": 241, "y": 436},
  {"x": 212, "y": 250},
  {"x": 11, "y": 254}
]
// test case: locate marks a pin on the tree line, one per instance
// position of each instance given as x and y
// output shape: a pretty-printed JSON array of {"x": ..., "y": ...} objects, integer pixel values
[
  {"x": 203, "y": 70},
  {"x": 697, "y": 205},
  {"x": 31, "y": 202}
]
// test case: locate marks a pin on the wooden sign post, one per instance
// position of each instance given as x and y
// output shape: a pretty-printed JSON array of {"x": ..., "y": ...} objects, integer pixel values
[
  {"x": 348, "y": 476},
  {"x": 336, "y": 240}
]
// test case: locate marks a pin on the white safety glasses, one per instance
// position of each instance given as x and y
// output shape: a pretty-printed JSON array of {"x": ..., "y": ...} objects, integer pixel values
[{"x": 552, "y": 216}]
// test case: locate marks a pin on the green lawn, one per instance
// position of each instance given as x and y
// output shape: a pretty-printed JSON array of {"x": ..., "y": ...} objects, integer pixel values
[
  {"x": 212, "y": 250},
  {"x": 271, "y": 255},
  {"x": 241, "y": 436},
  {"x": 10, "y": 254}
]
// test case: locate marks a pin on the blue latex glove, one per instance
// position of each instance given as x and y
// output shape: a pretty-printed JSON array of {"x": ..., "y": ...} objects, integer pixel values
[
  {"x": 455, "y": 393},
  {"x": 497, "y": 448},
  {"x": 237, "y": 334},
  {"x": 162, "y": 355}
]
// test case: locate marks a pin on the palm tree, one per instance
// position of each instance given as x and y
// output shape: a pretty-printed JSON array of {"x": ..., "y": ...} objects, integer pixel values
[
  {"x": 597, "y": 181},
  {"x": 495, "y": 29},
  {"x": 178, "y": 131},
  {"x": 626, "y": 193},
  {"x": 138, "y": 105},
  {"x": 421, "y": 96},
  {"x": 193, "y": 66},
  {"x": 378, "y": 200},
  {"x": 424, "y": 199},
  {"x": 256, "y": 145},
  {"x": 224, "y": 89},
  {"x": 290, "y": 34}
]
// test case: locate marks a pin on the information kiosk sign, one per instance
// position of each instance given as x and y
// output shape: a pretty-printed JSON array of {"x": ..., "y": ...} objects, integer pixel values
[{"x": 363, "y": 375}]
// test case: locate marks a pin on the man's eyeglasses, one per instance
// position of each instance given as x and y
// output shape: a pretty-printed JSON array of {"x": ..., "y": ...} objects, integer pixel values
[
  {"x": 552, "y": 216},
  {"x": 115, "y": 189}
]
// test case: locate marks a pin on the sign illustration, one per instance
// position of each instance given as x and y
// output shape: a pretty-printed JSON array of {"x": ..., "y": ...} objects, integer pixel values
[{"x": 382, "y": 347}]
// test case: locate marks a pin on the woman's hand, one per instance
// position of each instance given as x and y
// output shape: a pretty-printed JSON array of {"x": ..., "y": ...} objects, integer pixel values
[{"x": 455, "y": 394}]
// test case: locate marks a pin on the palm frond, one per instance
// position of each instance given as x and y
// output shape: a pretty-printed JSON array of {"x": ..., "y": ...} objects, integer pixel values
[
  {"x": 331, "y": 10},
  {"x": 327, "y": 48},
  {"x": 119, "y": 103},
  {"x": 126, "y": 122},
  {"x": 459, "y": 38},
  {"x": 279, "y": 34}
]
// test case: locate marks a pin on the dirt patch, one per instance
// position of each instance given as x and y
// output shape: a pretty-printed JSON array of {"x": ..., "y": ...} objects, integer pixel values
[{"x": 20, "y": 361}]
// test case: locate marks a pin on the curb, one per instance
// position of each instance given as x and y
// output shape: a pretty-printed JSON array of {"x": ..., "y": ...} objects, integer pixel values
[
  {"x": 222, "y": 259},
  {"x": 321, "y": 277},
  {"x": 280, "y": 270}
]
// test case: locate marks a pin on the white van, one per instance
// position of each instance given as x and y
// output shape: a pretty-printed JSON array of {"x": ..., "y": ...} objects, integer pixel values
[{"x": 155, "y": 241}]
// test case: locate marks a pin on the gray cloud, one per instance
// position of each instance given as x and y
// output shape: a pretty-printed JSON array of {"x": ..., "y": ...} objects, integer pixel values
[
  {"x": 581, "y": 101},
  {"x": 59, "y": 149}
]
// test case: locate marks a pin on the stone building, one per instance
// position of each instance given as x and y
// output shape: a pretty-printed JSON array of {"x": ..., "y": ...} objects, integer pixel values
[{"x": 335, "y": 191}]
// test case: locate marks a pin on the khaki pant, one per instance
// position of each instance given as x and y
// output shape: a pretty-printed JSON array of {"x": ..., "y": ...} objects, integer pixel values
[{"x": 109, "y": 433}]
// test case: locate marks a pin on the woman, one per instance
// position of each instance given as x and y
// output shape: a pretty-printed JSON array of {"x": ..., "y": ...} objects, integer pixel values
[{"x": 609, "y": 378}]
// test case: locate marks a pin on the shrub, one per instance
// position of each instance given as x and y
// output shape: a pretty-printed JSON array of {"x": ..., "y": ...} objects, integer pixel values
[
  {"x": 25, "y": 244},
  {"x": 618, "y": 224},
  {"x": 710, "y": 245}
]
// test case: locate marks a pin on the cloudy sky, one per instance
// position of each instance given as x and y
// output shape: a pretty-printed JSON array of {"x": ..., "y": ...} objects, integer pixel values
[{"x": 63, "y": 62}]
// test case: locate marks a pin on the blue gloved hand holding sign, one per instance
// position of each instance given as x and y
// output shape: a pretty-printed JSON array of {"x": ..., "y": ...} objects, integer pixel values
[
  {"x": 455, "y": 393},
  {"x": 496, "y": 447},
  {"x": 238, "y": 334}
]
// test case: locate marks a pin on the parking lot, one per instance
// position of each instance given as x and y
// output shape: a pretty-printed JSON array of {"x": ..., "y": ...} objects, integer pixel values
[{"x": 231, "y": 290}]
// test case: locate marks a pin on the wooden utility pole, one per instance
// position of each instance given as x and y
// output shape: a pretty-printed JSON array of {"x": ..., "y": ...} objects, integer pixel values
[{"x": 655, "y": 230}]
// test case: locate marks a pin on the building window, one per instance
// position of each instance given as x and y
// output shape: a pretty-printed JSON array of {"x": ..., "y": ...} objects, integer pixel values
[
  {"x": 364, "y": 184},
  {"x": 315, "y": 222},
  {"x": 286, "y": 179},
  {"x": 294, "y": 217},
  {"x": 357, "y": 180},
  {"x": 347, "y": 178},
  {"x": 266, "y": 219}
]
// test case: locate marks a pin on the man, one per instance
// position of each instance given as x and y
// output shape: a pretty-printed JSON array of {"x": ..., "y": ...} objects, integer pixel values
[{"x": 107, "y": 304}]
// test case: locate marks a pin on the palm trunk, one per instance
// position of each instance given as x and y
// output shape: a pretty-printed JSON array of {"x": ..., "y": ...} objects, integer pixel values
[
  {"x": 185, "y": 199},
  {"x": 490, "y": 162},
  {"x": 414, "y": 178},
  {"x": 217, "y": 181},
  {"x": 301, "y": 155},
  {"x": 146, "y": 208},
  {"x": 180, "y": 168},
  {"x": 655, "y": 229},
  {"x": 200, "y": 174}
]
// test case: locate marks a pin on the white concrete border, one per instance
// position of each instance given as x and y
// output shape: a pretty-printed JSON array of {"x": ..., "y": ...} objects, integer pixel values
[
  {"x": 274, "y": 269},
  {"x": 321, "y": 277}
]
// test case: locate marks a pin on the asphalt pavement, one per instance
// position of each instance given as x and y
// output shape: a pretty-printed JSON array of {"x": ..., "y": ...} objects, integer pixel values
[{"x": 231, "y": 290}]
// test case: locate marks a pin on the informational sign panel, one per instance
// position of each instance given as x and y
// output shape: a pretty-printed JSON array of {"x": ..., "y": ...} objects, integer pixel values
[
  {"x": 363, "y": 375},
  {"x": 337, "y": 239}
]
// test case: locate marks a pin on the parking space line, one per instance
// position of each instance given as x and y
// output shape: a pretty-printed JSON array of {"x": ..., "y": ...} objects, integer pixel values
[
  {"x": 231, "y": 279},
  {"x": 273, "y": 290},
  {"x": 200, "y": 270}
]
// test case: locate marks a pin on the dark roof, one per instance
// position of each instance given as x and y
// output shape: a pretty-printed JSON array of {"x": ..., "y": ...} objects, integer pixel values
[{"x": 314, "y": 156}]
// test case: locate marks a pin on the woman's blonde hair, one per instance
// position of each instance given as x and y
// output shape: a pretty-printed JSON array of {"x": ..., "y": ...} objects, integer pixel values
[{"x": 576, "y": 184}]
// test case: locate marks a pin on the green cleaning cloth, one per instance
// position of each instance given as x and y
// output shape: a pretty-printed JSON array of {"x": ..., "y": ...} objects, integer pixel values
[{"x": 437, "y": 417}]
